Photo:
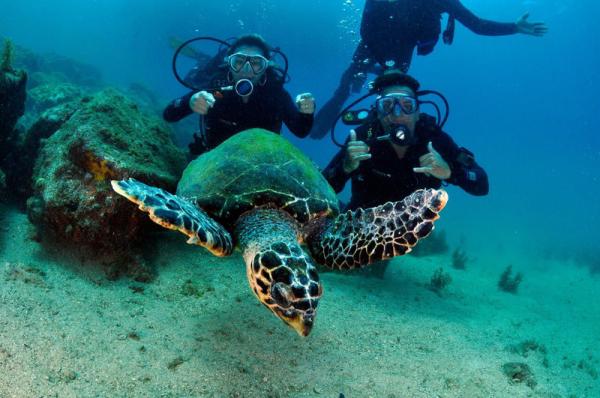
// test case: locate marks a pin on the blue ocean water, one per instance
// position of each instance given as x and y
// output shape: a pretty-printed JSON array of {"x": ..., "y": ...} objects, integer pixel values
[{"x": 527, "y": 107}]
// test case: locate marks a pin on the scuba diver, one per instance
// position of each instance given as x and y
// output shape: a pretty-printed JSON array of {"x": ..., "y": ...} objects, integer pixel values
[
  {"x": 245, "y": 92},
  {"x": 391, "y": 30},
  {"x": 397, "y": 149}
]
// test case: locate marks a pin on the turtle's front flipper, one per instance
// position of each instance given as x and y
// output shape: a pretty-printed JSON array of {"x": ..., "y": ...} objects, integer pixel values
[
  {"x": 361, "y": 237},
  {"x": 173, "y": 212}
]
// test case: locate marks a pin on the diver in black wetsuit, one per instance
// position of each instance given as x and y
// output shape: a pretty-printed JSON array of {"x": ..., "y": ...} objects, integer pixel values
[
  {"x": 392, "y": 29},
  {"x": 417, "y": 153},
  {"x": 258, "y": 99},
  {"x": 420, "y": 156}
]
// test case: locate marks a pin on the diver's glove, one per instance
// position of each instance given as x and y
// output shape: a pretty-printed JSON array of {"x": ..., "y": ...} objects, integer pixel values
[
  {"x": 305, "y": 103},
  {"x": 201, "y": 102}
]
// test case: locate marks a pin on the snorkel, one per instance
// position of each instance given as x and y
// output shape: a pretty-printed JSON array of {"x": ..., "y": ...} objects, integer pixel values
[{"x": 398, "y": 133}]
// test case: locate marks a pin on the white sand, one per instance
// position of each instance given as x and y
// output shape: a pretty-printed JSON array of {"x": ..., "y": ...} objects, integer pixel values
[{"x": 71, "y": 333}]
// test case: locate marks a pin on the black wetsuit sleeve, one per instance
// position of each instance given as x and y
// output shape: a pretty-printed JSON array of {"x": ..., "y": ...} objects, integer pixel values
[
  {"x": 466, "y": 173},
  {"x": 178, "y": 108},
  {"x": 299, "y": 123},
  {"x": 478, "y": 25}
]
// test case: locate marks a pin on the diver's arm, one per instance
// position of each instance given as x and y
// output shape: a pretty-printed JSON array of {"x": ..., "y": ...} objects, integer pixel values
[
  {"x": 334, "y": 172},
  {"x": 465, "y": 172},
  {"x": 478, "y": 25},
  {"x": 299, "y": 123},
  {"x": 178, "y": 109},
  {"x": 469, "y": 176}
]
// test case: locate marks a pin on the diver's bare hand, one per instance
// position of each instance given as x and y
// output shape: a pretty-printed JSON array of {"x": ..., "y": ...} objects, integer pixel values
[
  {"x": 433, "y": 164},
  {"x": 306, "y": 103},
  {"x": 531, "y": 28},
  {"x": 201, "y": 102},
  {"x": 356, "y": 152}
]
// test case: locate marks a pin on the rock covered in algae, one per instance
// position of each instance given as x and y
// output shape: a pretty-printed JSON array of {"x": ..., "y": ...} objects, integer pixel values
[
  {"x": 48, "y": 95},
  {"x": 106, "y": 138},
  {"x": 12, "y": 107},
  {"x": 12, "y": 97},
  {"x": 21, "y": 161}
]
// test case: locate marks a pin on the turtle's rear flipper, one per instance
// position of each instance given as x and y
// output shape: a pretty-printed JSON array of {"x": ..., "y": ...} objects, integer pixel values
[
  {"x": 173, "y": 212},
  {"x": 364, "y": 236}
]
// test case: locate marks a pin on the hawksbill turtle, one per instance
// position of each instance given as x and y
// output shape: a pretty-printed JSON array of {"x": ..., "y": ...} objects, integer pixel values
[{"x": 258, "y": 192}]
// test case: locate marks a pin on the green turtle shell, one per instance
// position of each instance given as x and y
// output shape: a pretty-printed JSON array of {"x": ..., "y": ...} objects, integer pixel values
[{"x": 257, "y": 168}]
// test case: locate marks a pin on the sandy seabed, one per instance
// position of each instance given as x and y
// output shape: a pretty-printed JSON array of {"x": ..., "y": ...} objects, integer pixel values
[{"x": 197, "y": 330}]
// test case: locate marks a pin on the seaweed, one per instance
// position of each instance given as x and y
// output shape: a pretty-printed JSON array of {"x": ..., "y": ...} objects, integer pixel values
[
  {"x": 439, "y": 281},
  {"x": 189, "y": 289},
  {"x": 509, "y": 283},
  {"x": 7, "y": 56},
  {"x": 459, "y": 259},
  {"x": 25, "y": 273},
  {"x": 175, "y": 363},
  {"x": 589, "y": 257},
  {"x": 518, "y": 372}
]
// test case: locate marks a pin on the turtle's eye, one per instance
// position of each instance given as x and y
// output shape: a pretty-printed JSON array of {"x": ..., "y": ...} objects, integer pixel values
[{"x": 282, "y": 294}]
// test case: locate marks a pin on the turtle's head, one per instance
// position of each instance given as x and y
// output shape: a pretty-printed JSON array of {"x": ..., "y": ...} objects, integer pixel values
[{"x": 286, "y": 282}]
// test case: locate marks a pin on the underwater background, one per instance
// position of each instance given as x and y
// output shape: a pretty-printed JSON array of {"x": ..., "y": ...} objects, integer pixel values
[
  {"x": 528, "y": 109},
  {"x": 525, "y": 106}
]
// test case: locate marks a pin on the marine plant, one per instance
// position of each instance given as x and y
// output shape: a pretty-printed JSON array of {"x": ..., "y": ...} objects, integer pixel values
[
  {"x": 439, "y": 281},
  {"x": 459, "y": 259},
  {"x": 7, "y": 56},
  {"x": 588, "y": 257},
  {"x": 518, "y": 372},
  {"x": 510, "y": 283}
]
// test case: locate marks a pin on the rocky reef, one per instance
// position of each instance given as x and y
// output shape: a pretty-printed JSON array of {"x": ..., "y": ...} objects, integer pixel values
[
  {"x": 89, "y": 142},
  {"x": 12, "y": 95},
  {"x": 48, "y": 95},
  {"x": 25, "y": 147},
  {"x": 12, "y": 103},
  {"x": 63, "y": 137}
]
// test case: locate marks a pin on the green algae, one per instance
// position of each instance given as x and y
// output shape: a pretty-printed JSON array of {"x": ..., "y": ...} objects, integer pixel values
[{"x": 7, "y": 58}]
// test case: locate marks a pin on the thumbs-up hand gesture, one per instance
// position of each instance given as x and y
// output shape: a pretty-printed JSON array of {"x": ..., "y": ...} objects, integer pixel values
[
  {"x": 356, "y": 152},
  {"x": 432, "y": 164}
]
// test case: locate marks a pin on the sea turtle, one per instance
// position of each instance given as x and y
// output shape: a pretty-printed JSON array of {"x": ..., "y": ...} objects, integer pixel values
[{"x": 260, "y": 193}]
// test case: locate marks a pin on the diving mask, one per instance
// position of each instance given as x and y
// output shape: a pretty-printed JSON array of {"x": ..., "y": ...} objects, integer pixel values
[
  {"x": 396, "y": 104},
  {"x": 257, "y": 63}
]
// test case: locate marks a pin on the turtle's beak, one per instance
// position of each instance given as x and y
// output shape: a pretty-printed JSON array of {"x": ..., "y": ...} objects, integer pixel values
[
  {"x": 302, "y": 323},
  {"x": 439, "y": 199}
]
